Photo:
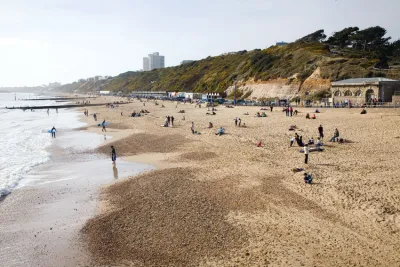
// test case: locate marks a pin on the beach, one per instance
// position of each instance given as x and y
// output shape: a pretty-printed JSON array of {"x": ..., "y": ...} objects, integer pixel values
[{"x": 221, "y": 200}]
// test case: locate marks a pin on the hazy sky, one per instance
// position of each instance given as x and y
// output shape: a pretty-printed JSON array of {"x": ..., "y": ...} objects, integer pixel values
[{"x": 42, "y": 41}]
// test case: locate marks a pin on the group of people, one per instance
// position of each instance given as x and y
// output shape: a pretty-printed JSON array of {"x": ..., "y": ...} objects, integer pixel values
[
  {"x": 308, "y": 116},
  {"x": 262, "y": 115},
  {"x": 169, "y": 121},
  {"x": 238, "y": 122},
  {"x": 140, "y": 113},
  {"x": 289, "y": 111}
]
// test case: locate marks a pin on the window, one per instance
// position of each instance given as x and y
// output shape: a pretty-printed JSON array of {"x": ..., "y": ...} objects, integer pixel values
[
  {"x": 358, "y": 93},
  {"x": 348, "y": 93},
  {"x": 338, "y": 93}
]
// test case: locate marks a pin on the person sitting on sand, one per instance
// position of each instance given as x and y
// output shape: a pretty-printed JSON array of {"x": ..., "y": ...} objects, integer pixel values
[
  {"x": 292, "y": 141},
  {"x": 316, "y": 111},
  {"x": 313, "y": 117},
  {"x": 295, "y": 112},
  {"x": 220, "y": 132},
  {"x": 210, "y": 125},
  {"x": 292, "y": 127},
  {"x": 335, "y": 135},
  {"x": 299, "y": 140},
  {"x": 307, "y": 178},
  {"x": 311, "y": 141},
  {"x": 263, "y": 115},
  {"x": 162, "y": 106},
  {"x": 307, "y": 115},
  {"x": 363, "y": 111},
  {"x": 297, "y": 169},
  {"x": 244, "y": 125},
  {"x": 258, "y": 115},
  {"x": 246, "y": 113}
]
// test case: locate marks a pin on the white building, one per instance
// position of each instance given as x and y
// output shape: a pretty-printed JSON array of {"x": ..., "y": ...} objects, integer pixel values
[
  {"x": 146, "y": 66},
  {"x": 153, "y": 61}
]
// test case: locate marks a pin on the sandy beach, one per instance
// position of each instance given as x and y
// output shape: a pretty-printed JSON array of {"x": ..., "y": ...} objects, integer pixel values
[
  {"x": 223, "y": 201},
  {"x": 218, "y": 200}
]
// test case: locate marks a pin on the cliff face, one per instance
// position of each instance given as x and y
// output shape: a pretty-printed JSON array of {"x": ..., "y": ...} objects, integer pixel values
[
  {"x": 281, "y": 88},
  {"x": 283, "y": 72}
]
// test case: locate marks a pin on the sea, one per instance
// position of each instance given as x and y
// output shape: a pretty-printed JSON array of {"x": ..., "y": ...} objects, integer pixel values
[{"x": 24, "y": 137}]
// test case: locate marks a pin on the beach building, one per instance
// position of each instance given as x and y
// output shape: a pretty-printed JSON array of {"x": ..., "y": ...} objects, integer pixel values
[
  {"x": 153, "y": 61},
  {"x": 365, "y": 90},
  {"x": 281, "y": 43},
  {"x": 186, "y": 62},
  {"x": 147, "y": 94}
]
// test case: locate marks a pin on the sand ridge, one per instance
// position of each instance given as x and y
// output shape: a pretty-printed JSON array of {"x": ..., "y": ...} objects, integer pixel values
[{"x": 262, "y": 212}]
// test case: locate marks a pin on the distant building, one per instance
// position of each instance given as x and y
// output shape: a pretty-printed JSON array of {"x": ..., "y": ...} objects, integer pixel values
[
  {"x": 281, "y": 43},
  {"x": 186, "y": 61},
  {"x": 54, "y": 85},
  {"x": 146, "y": 66},
  {"x": 365, "y": 90},
  {"x": 153, "y": 61}
]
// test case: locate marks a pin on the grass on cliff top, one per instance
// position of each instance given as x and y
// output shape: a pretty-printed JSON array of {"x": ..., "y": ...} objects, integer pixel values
[{"x": 216, "y": 74}]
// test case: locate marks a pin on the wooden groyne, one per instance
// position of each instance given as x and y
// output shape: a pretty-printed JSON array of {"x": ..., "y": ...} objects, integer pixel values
[
  {"x": 66, "y": 106},
  {"x": 59, "y": 98}
]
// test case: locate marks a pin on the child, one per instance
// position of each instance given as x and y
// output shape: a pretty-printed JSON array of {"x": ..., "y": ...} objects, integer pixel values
[
  {"x": 311, "y": 141},
  {"x": 292, "y": 141},
  {"x": 307, "y": 178}
]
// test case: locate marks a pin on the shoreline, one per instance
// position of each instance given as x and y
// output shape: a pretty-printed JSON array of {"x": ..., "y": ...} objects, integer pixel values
[
  {"x": 41, "y": 219},
  {"x": 222, "y": 201}
]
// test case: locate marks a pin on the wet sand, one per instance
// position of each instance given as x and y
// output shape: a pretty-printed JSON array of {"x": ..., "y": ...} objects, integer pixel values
[{"x": 41, "y": 220}]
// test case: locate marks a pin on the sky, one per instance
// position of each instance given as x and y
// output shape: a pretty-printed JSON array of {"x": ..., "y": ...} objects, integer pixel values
[{"x": 46, "y": 41}]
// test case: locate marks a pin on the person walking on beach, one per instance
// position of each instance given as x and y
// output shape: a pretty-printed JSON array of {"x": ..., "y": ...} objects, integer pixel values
[
  {"x": 53, "y": 132},
  {"x": 56, "y": 110},
  {"x": 172, "y": 120},
  {"x": 236, "y": 121},
  {"x": 48, "y": 112},
  {"x": 113, "y": 154},
  {"x": 104, "y": 126},
  {"x": 192, "y": 128},
  {"x": 306, "y": 152},
  {"x": 321, "y": 131},
  {"x": 169, "y": 120}
]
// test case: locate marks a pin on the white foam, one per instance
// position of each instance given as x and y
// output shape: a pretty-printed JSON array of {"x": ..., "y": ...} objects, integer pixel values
[{"x": 24, "y": 137}]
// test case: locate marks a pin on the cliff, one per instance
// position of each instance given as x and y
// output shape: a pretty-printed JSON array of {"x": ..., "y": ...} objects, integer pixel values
[{"x": 285, "y": 71}]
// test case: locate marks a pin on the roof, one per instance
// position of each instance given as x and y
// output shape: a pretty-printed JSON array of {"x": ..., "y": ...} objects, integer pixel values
[{"x": 363, "y": 81}]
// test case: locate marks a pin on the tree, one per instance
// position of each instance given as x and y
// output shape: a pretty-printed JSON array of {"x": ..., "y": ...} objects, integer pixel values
[
  {"x": 394, "y": 49},
  {"x": 342, "y": 38},
  {"x": 371, "y": 38},
  {"x": 317, "y": 36}
]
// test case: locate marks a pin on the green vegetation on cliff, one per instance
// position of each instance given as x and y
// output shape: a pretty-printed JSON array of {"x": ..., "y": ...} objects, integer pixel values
[{"x": 347, "y": 53}]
